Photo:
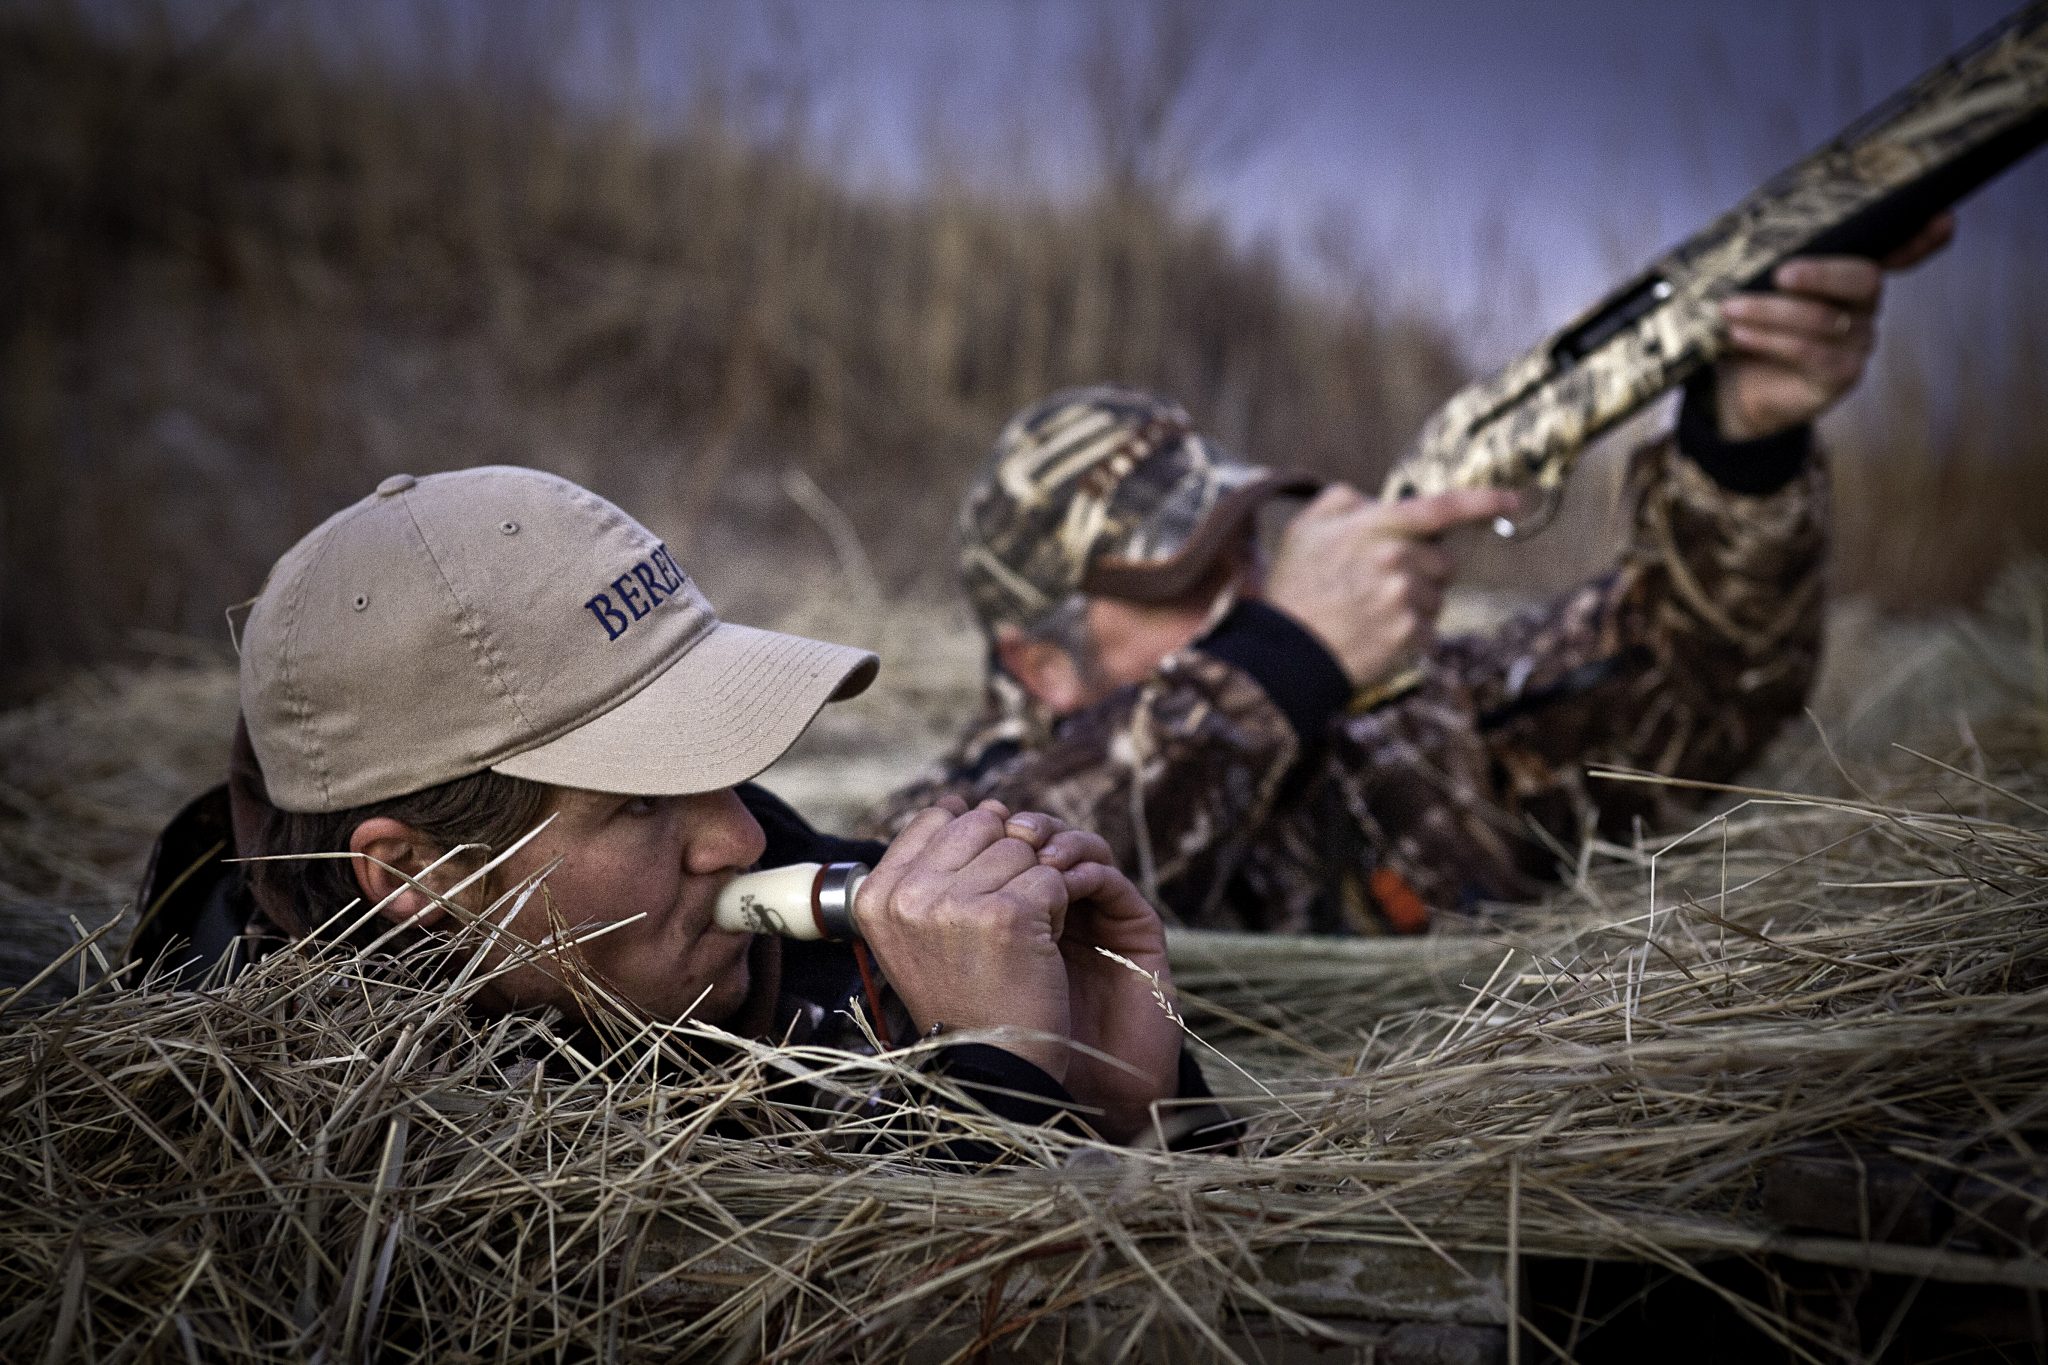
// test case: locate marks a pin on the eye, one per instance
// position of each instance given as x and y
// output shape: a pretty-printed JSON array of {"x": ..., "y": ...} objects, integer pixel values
[{"x": 640, "y": 806}]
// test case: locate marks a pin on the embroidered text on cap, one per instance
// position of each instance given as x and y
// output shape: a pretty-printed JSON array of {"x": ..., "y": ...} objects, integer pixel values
[{"x": 639, "y": 590}]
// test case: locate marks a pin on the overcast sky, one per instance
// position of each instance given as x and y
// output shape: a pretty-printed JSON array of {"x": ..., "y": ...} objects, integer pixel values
[{"x": 1499, "y": 162}]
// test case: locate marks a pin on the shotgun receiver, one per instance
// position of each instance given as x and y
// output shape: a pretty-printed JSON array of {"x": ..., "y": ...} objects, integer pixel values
[{"x": 1863, "y": 194}]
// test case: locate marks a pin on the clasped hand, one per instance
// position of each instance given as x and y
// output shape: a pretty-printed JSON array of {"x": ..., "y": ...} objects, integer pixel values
[{"x": 982, "y": 919}]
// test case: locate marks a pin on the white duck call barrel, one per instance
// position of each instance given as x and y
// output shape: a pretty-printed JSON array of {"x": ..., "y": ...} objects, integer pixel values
[{"x": 802, "y": 900}]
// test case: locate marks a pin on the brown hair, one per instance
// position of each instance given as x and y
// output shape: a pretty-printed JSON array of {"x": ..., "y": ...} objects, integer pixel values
[{"x": 298, "y": 894}]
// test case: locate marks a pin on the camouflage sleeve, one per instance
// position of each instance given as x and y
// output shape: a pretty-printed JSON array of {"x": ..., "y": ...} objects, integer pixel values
[
  {"x": 1685, "y": 660},
  {"x": 1170, "y": 772}
]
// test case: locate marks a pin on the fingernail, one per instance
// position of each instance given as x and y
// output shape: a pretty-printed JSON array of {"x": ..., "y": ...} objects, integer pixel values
[{"x": 1032, "y": 826}]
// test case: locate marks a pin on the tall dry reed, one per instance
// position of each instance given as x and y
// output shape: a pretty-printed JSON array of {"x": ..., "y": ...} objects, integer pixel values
[
  {"x": 254, "y": 279},
  {"x": 251, "y": 269}
]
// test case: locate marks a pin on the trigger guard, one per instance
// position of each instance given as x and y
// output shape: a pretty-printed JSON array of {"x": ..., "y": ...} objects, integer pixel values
[{"x": 1545, "y": 511}]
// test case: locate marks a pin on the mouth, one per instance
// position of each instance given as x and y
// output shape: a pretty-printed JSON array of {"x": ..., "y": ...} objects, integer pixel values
[
  {"x": 721, "y": 951},
  {"x": 706, "y": 916}
]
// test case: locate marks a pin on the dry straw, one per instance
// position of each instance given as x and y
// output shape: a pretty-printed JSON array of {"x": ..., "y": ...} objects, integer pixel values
[{"x": 332, "y": 1155}]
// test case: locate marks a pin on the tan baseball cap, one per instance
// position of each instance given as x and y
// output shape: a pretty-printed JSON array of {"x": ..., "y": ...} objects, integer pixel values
[{"x": 506, "y": 619}]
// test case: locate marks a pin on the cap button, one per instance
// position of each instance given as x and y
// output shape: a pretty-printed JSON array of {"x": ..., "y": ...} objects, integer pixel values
[{"x": 394, "y": 485}]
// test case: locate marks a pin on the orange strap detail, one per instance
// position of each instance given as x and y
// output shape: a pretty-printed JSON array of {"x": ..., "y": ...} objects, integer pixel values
[
  {"x": 871, "y": 987},
  {"x": 1405, "y": 911}
]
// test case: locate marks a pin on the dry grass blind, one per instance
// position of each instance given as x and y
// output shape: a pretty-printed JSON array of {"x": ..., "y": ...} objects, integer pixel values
[{"x": 331, "y": 1155}]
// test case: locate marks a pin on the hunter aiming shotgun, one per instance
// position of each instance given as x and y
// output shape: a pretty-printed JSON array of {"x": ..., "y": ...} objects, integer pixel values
[{"x": 1863, "y": 194}]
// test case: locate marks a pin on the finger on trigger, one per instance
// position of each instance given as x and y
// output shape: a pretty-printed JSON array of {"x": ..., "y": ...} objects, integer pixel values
[
  {"x": 1440, "y": 512},
  {"x": 1336, "y": 497}
]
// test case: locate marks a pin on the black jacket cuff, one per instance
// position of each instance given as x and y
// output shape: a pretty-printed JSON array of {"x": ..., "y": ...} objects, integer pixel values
[
  {"x": 1290, "y": 664},
  {"x": 1006, "y": 1085},
  {"x": 1201, "y": 1126},
  {"x": 1753, "y": 468}
]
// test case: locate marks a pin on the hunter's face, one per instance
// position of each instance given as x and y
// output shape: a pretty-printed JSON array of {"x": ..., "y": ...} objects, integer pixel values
[
  {"x": 1129, "y": 640},
  {"x": 662, "y": 859}
]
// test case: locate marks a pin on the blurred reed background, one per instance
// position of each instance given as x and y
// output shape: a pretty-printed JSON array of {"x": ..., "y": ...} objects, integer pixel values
[{"x": 249, "y": 270}]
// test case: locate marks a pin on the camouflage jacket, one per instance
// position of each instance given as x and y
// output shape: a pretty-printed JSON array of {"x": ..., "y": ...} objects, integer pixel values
[{"x": 1233, "y": 812}]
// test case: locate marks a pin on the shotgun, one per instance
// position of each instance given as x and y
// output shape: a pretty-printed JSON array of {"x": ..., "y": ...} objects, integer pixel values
[{"x": 1863, "y": 194}]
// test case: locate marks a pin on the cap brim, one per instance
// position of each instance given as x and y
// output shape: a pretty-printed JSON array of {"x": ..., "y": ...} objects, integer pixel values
[
  {"x": 1164, "y": 580},
  {"x": 729, "y": 707}
]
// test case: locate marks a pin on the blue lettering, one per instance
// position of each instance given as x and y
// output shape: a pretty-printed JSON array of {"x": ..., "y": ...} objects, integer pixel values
[
  {"x": 666, "y": 562},
  {"x": 601, "y": 607},
  {"x": 646, "y": 576},
  {"x": 623, "y": 586}
]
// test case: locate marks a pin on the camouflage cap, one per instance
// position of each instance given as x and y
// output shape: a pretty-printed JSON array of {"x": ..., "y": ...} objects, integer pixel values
[{"x": 1104, "y": 491}]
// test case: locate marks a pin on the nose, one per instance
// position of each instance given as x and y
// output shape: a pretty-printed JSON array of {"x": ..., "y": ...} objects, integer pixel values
[{"x": 722, "y": 835}]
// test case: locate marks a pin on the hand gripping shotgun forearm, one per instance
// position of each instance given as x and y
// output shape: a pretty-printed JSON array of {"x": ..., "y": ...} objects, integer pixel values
[
  {"x": 1863, "y": 194},
  {"x": 803, "y": 900}
]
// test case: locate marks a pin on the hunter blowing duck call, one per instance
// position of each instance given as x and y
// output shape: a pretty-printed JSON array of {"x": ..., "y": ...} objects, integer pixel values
[{"x": 802, "y": 900}]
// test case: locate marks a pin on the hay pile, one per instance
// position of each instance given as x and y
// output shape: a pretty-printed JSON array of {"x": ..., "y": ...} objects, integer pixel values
[{"x": 330, "y": 1156}]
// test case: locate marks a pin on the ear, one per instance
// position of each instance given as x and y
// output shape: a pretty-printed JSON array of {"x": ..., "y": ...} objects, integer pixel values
[
  {"x": 1042, "y": 669},
  {"x": 382, "y": 844}
]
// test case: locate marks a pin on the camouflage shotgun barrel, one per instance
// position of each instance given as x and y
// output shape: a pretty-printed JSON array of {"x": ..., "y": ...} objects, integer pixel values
[{"x": 1864, "y": 193}]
